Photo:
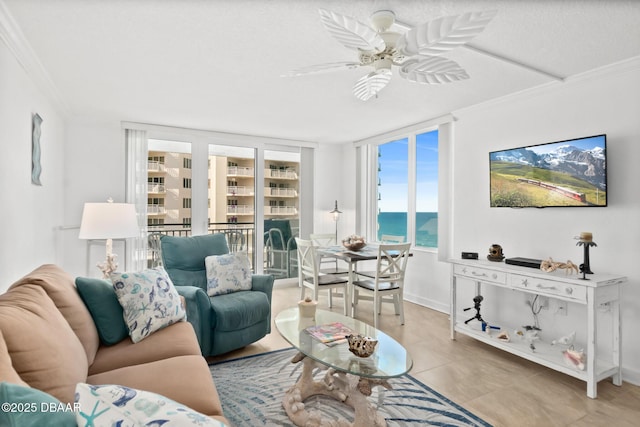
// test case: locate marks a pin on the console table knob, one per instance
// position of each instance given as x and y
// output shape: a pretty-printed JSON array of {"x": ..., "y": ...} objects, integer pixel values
[{"x": 569, "y": 290}]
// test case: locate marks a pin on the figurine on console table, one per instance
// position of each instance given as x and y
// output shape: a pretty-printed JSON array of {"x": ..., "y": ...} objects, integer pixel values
[
  {"x": 585, "y": 240},
  {"x": 495, "y": 253}
]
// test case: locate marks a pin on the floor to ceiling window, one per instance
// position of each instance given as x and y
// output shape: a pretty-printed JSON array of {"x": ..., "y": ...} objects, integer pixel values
[
  {"x": 406, "y": 189},
  {"x": 232, "y": 203}
]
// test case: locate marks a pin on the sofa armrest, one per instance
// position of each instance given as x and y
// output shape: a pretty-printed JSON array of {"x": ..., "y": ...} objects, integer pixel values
[{"x": 198, "y": 308}]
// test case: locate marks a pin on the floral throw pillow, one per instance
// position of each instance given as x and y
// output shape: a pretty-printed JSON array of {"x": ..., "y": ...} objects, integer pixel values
[
  {"x": 228, "y": 273},
  {"x": 116, "y": 405},
  {"x": 149, "y": 301}
]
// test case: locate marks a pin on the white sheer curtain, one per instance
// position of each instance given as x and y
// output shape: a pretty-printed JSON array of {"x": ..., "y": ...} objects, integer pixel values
[{"x": 137, "y": 155}]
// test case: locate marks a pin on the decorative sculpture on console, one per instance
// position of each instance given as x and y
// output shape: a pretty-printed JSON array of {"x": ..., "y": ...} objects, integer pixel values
[{"x": 550, "y": 265}]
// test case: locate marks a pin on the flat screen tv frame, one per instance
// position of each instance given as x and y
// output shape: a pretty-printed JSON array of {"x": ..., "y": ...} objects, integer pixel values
[{"x": 566, "y": 173}]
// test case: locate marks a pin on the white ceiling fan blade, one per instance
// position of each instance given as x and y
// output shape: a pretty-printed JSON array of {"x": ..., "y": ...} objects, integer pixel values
[
  {"x": 322, "y": 68},
  {"x": 443, "y": 34},
  {"x": 351, "y": 32},
  {"x": 432, "y": 70},
  {"x": 368, "y": 86}
]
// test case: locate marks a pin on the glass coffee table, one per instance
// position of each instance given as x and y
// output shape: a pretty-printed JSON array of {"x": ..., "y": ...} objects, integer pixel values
[{"x": 348, "y": 378}]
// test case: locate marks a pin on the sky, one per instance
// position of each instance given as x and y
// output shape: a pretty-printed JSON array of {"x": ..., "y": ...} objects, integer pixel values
[{"x": 393, "y": 175}]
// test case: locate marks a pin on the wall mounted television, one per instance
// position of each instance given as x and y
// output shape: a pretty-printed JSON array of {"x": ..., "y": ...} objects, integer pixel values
[{"x": 565, "y": 173}]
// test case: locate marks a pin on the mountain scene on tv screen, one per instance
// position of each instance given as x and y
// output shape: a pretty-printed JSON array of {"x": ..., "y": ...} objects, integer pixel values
[{"x": 559, "y": 174}]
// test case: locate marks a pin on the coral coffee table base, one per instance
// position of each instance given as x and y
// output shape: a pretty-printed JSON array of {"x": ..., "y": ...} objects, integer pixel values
[
  {"x": 347, "y": 378},
  {"x": 347, "y": 388}
]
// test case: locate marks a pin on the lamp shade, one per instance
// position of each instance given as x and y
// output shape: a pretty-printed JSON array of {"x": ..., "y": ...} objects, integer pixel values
[{"x": 108, "y": 221}]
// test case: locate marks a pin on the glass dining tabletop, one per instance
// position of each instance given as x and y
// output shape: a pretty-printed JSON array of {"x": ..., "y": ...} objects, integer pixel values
[{"x": 390, "y": 358}]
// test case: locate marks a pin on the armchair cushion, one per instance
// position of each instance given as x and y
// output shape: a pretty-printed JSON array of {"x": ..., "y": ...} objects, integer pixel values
[
  {"x": 231, "y": 311},
  {"x": 183, "y": 257},
  {"x": 228, "y": 273},
  {"x": 101, "y": 300},
  {"x": 149, "y": 301}
]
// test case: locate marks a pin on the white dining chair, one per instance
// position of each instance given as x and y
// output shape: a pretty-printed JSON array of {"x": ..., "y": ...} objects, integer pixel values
[
  {"x": 387, "y": 283},
  {"x": 309, "y": 276},
  {"x": 390, "y": 238},
  {"x": 328, "y": 265}
]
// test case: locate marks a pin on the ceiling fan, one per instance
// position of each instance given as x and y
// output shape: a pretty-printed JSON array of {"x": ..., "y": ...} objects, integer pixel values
[{"x": 416, "y": 52}]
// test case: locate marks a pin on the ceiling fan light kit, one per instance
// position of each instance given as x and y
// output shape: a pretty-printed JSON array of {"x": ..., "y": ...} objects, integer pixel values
[{"x": 415, "y": 52}]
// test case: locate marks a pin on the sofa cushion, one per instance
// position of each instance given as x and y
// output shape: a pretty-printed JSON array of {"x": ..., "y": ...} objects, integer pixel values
[
  {"x": 183, "y": 257},
  {"x": 185, "y": 379},
  {"x": 228, "y": 273},
  {"x": 59, "y": 285},
  {"x": 111, "y": 405},
  {"x": 29, "y": 404},
  {"x": 155, "y": 347},
  {"x": 7, "y": 373},
  {"x": 44, "y": 350},
  {"x": 231, "y": 311},
  {"x": 149, "y": 301},
  {"x": 101, "y": 300}
]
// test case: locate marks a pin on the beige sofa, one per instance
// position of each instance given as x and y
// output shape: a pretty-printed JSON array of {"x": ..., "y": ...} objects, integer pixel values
[{"x": 49, "y": 341}]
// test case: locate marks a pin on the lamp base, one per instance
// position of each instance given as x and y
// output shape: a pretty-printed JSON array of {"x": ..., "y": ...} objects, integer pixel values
[{"x": 110, "y": 264}]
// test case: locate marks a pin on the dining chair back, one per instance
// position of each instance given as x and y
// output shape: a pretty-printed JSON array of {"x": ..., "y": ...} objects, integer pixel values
[
  {"x": 309, "y": 276},
  {"x": 387, "y": 283},
  {"x": 390, "y": 238},
  {"x": 328, "y": 265}
]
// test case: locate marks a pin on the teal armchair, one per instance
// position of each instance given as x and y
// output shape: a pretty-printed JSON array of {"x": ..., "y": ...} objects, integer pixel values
[{"x": 224, "y": 322}]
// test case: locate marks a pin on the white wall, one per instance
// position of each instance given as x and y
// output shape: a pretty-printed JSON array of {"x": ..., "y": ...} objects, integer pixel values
[
  {"x": 31, "y": 215},
  {"x": 604, "y": 102},
  {"x": 95, "y": 154}
]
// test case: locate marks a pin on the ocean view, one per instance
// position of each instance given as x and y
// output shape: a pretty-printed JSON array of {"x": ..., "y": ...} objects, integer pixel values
[{"x": 395, "y": 223}]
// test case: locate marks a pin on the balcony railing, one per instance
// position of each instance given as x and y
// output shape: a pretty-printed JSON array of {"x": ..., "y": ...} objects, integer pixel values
[
  {"x": 280, "y": 192},
  {"x": 156, "y": 188},
  {"x": 239, "y": 171},
  {"x": 282, "y": 174},
  {"x": 239, "y": 210},
  {"x": 156, "y": 210},
  {"x": 239, "y": 191},
  {"x": 280, "y": 210},
  {"x": 239, "y": 238},
  {"x": 155, "y": 166}
]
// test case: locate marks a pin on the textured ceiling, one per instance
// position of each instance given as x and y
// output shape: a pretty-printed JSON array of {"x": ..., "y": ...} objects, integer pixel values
[{"x": 217, "y": 65}]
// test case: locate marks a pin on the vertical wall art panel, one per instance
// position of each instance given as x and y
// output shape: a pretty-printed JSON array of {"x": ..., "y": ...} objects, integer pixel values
[{"x": 36, "y": 167}]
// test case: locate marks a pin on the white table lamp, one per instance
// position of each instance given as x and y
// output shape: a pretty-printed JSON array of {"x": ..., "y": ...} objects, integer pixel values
[{"x": 108, "y": 221}]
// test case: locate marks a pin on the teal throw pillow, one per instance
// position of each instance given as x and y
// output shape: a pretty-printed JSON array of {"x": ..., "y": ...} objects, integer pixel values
[
  {"x": 116, "y": 405},
  {"x": 149, "y": 301},
  {"x": 29, "y": 407},
  {"x": 101, "y": 300}
]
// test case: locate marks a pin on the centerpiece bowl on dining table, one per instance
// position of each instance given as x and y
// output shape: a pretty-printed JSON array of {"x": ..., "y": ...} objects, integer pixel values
[{"x": 354, "y": 243}]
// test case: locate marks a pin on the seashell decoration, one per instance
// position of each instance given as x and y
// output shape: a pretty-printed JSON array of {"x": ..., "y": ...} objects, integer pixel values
[{"x": 361, "y": 346}]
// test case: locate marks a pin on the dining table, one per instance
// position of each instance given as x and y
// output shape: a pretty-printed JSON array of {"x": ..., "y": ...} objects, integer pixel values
[{"x": 368, "y": 253}]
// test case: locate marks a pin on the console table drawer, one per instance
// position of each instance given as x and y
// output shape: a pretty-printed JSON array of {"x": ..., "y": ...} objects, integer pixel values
[
  {"x": 550, "y": 287},
  {"x": 479, "y": 273}
]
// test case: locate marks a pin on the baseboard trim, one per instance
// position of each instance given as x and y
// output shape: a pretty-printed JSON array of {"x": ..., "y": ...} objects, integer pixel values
[
  {"x": 426, "y": 302},
  {"x": 631, "y": 376}
]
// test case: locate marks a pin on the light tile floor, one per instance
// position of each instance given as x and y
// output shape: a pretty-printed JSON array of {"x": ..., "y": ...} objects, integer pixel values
[{"x": 502, "y": 389}]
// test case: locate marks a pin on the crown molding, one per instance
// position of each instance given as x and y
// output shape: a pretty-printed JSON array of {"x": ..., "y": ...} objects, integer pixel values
[
  {"x": 624, "y": 66},
  {"x": 14, "y": 39}
]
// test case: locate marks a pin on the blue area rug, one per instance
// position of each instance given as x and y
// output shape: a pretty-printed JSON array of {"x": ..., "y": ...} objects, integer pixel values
[{"x": 251, "y": 390}]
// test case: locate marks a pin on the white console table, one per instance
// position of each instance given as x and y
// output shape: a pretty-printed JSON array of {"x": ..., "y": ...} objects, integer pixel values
[{"x": 599, "y": 290}]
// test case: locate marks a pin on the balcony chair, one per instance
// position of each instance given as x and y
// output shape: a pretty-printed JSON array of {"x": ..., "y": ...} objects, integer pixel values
[
  {"x": 309, "y": 276},
  {"x": 386, "y": 284},
  {"x": 280, "y": 248},
  {"x": 224, "y": 322}
]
